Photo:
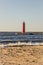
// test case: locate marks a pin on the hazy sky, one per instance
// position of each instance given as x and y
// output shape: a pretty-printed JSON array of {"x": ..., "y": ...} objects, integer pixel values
[{"x": 14, "y": 12}]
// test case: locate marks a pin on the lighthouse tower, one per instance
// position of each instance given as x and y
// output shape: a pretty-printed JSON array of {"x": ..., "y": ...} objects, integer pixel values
[{"x": 23, "y": 28}]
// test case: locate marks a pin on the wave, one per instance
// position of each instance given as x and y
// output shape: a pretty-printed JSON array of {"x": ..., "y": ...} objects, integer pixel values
[{"x": 19, "y": 44}]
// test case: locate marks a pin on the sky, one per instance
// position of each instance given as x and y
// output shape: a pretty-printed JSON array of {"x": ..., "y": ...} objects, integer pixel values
[{"x": 14, "y": 12}]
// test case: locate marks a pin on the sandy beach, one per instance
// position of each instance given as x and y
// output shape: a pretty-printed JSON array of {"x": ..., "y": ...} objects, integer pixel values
[{"x": 21, "y": 55}]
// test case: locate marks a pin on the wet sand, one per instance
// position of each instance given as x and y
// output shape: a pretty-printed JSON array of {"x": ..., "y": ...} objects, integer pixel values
[{"x": 21, "y": 55}]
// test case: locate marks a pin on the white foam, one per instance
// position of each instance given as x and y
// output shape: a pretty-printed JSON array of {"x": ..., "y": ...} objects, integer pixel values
[{"x": 19, "y": 43}]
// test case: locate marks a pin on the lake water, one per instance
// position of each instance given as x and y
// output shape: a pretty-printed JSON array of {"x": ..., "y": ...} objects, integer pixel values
[{"x": 11, "y": 37}]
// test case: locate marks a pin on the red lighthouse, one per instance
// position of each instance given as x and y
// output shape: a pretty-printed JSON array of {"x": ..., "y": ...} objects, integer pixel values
[{"x": 23, "y": 30}]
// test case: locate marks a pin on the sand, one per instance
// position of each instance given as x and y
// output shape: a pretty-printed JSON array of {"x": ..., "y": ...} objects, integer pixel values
[{"x": 21, "y": 55}]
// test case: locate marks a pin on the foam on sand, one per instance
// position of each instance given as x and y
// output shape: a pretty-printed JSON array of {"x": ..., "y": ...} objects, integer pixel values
[{"x": 20, "y": 43}]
